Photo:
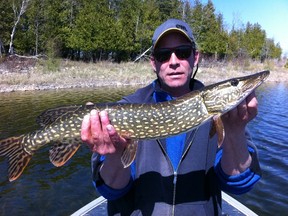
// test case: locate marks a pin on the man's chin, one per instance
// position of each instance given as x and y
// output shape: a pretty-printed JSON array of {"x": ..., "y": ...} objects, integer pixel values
[{"x": 176, "y": 83}]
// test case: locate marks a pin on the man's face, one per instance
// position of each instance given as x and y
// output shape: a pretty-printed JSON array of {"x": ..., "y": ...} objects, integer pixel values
[{"x": 174, "y": 73}]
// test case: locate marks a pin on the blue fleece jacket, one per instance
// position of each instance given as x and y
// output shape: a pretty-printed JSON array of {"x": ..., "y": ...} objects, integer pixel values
[{"x": 236, "y": 184}]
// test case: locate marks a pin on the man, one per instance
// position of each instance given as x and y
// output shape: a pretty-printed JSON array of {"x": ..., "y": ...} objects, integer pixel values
[{"x": 180, "y": 175}]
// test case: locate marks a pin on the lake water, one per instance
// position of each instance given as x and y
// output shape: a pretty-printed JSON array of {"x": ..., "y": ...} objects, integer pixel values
[{"x": 47, "y": 190}]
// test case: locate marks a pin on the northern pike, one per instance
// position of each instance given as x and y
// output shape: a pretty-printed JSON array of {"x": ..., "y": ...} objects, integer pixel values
[{"x": 61, "y": 126}]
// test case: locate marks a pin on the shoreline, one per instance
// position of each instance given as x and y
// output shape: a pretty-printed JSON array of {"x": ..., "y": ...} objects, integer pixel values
[
  {"x": 102, "y": 74},
  {"x": 32, "y": 87}
]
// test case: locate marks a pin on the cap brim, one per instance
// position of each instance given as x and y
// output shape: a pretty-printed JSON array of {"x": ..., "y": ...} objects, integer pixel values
[{"x": 171, "y": 30}]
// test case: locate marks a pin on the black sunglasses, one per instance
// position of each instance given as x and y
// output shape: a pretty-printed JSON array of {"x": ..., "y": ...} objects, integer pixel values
[{"x": 164, "y": 54}]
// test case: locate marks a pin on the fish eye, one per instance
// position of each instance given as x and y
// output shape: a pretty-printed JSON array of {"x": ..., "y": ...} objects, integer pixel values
[{"x": 234, "y": 82}]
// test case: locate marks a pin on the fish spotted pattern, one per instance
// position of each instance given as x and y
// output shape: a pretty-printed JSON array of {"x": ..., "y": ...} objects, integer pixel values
[{"x": 61, "y": 126}]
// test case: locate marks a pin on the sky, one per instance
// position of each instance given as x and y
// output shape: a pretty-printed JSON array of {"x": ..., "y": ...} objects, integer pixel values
[{"x": 272, "y": 15}]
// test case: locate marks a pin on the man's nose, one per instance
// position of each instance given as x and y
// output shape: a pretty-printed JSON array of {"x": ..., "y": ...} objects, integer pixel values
[{"x": 173, "y": 59}]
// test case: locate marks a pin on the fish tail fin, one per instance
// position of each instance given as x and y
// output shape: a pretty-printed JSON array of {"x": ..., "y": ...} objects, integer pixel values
[
  {"x": 18, "y": 158},
  {"x": 129, "y": 153}
]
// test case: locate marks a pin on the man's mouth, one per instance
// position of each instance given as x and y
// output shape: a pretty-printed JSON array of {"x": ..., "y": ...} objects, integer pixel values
[{"x": 175, "y": 74}]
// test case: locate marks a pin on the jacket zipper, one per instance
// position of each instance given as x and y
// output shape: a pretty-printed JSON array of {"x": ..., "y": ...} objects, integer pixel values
[
  {"x": 175, "y": 178},
  {"x": 175, "y": 172},
  {"x": 174, "y": 192}
]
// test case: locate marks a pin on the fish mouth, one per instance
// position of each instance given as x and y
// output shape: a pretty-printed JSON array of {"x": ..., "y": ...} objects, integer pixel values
[
  {"x": 254, "y": 81},
  {"x": 234, "y": 91},
  {"x": 248, "y": 84}
]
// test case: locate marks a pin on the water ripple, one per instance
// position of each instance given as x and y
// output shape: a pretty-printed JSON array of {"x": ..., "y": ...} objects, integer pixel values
[{"x": 60, "y": 191}]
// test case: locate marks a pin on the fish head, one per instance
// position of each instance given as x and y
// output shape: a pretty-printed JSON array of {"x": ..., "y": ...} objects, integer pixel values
[{"x": 224, "y": 96}]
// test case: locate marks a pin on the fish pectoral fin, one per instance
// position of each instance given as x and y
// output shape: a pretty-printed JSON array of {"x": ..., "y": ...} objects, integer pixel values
[
  {"x": 218, "y": 128},
  {"x": 18, "y": 158},
  {"x": 129, "y": 153},
  {"x": 212, "y": 129},
  {"x": 61, "y": 152}
]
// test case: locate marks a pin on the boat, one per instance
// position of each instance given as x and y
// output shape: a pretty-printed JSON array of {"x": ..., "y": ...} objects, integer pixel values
[{"x": 230, "y": 207}]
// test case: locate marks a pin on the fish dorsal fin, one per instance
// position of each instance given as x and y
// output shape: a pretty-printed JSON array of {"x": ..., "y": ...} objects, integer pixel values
[
  {"x": 61, "y": 152},
  {"x": 50, "y": 115}
]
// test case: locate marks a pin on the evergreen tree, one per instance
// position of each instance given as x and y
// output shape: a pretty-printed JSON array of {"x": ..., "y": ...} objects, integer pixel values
[
  {"x": 208, "y": 29},
  {"x": 270, "y": 50},
  {"x": 222, "y": 39},
  {"x": 169, "y": 9},
  {"x": 35, "y": 21},
  {"x": 254, "y": 40},
  {"x": 127, "y": 29},
  {"x": 196, "y": 22},
  {"x": 148, "y": 22},
  {"x": 93, "y": 31},
  {"x": 122, "y": 29},
  {"x": 6, "y": 23}
]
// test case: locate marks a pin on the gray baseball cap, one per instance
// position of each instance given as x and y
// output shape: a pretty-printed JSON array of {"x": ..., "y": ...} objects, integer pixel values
[{"x": 173, "y": 25}]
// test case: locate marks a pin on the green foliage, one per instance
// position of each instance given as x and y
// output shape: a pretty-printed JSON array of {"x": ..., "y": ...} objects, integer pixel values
[
  {"x": 254, "y": 40},
  {"x": 122, "y": 29},
  {"x": 209, "y": 31},
  {"x": 169, "y": 8},
  {"x": 148, "y": 22},
  {"x": 286, "y": 65},
  {"x": 52, "y": 63},
  {"x": 6, "y": 21}
]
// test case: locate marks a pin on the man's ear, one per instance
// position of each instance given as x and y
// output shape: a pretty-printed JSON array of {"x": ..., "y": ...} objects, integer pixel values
[
  {"x": 196, "y": 57},
  {"x": 153, "y": 63}
]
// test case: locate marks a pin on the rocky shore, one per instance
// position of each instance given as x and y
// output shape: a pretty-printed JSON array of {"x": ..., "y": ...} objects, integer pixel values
[{"x": 27, "y": 74}]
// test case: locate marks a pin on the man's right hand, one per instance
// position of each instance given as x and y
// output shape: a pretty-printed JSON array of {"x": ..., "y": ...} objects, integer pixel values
[
  {"x": 100, "y": 135},
  {"x": 102, "y": 138}
]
